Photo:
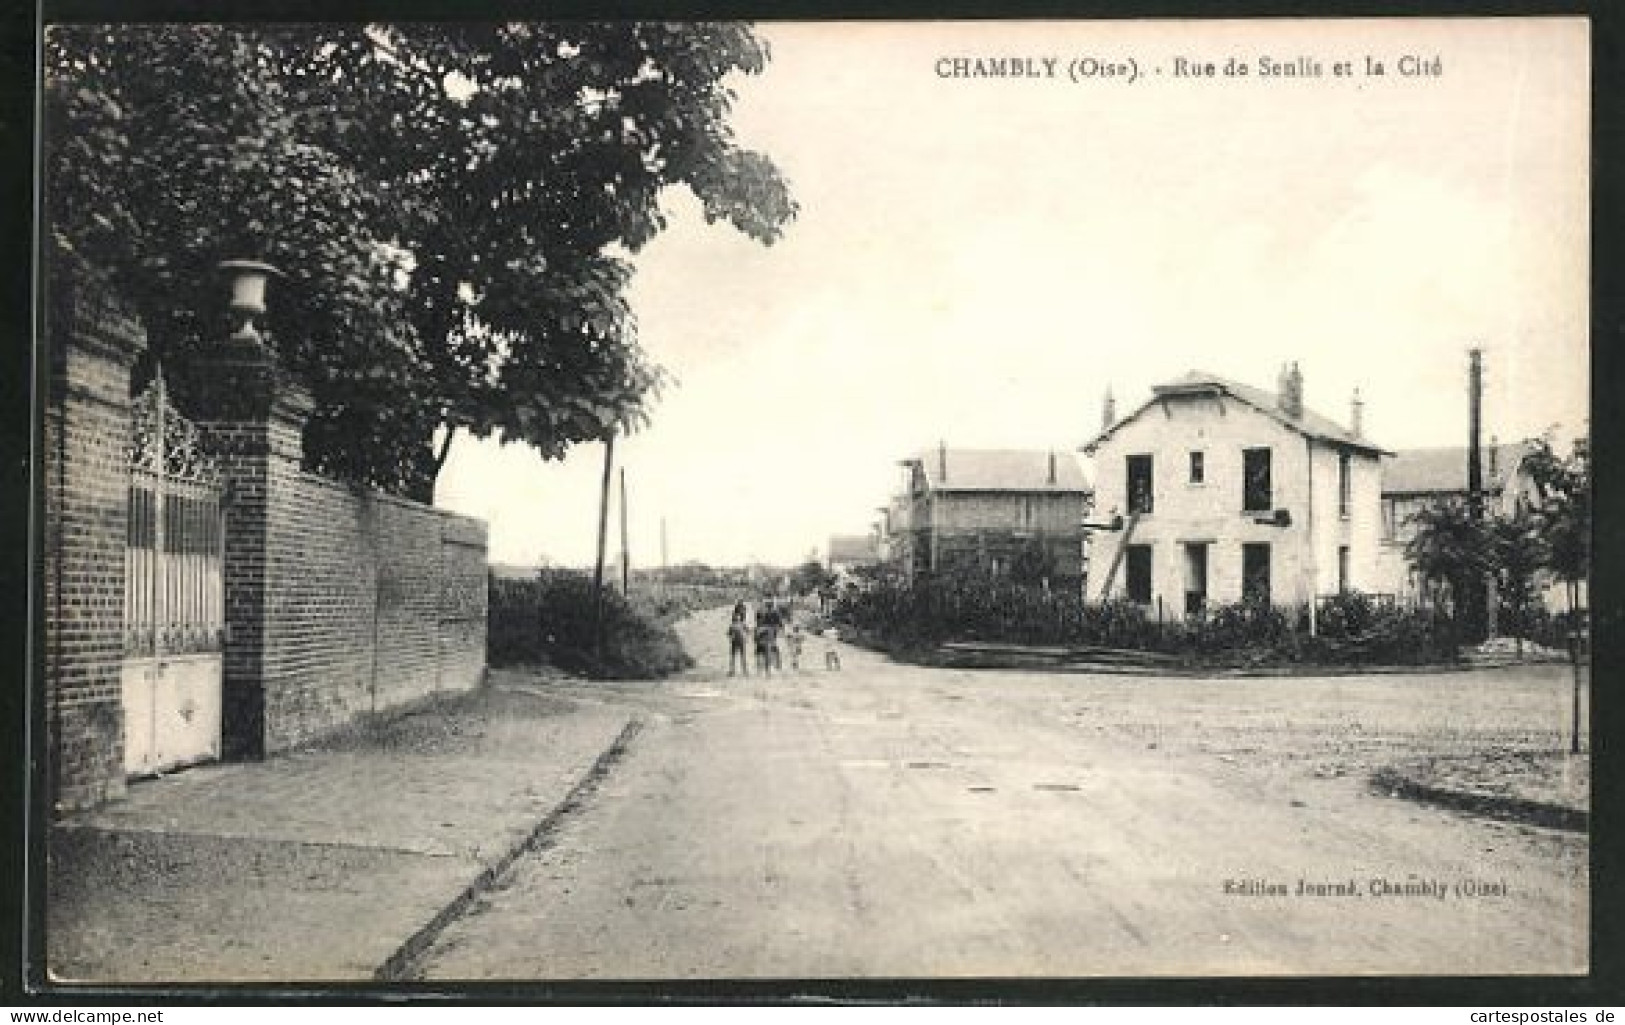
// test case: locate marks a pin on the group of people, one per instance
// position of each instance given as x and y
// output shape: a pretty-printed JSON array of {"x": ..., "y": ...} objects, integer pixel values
[{"x": 771, "y": 622}]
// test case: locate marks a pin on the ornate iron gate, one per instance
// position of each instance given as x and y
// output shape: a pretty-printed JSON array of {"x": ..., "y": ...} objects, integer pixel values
[{"x": 174, "y": 598}]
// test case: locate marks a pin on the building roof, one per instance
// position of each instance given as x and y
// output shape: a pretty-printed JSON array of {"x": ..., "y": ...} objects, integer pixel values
[
  {"x": 1200, "y": 382},
  {"x": 853, "y": 548},
  {"x": 1436, "y": 471},
  {"x": 1020, "y": 470}
]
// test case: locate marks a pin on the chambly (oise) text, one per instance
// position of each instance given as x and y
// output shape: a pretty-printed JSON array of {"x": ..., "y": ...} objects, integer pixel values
[{"x": 1130, "y": 69}]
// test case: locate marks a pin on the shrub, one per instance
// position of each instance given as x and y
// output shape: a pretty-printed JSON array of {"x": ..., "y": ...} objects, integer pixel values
[
  {"x": 549, "y": 621},
  {"x": 1248, "y": 632},
  {"x": 1349, "y": 614},
  {"x": 676, "y": 600},
  {"x": 1354, "y": 628},
  {"x": 1351, "y": 628},
  {"x": 1541, "y": 626},
  {"x": 951, "y": 607},
  {"x": 1118, "y": 623}
]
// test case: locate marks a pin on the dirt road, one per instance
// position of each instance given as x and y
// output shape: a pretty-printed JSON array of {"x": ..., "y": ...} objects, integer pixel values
[{"x": 889, "y": 820}]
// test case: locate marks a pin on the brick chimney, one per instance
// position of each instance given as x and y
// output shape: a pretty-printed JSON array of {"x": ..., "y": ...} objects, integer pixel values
[
  {"x": 1108, "y": 411},
  {"x": 1357, "y": 415},
  {"x": 1291, "y": 391}
]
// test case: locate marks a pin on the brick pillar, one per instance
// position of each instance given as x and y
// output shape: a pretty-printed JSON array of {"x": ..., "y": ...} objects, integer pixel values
[
  {"x": 93, "y": 341},
  {"x": 251, "y": 414}
]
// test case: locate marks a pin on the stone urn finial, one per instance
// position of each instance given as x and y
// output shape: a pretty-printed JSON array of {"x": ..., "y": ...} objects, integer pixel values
[{"x": 248, "y": 281}]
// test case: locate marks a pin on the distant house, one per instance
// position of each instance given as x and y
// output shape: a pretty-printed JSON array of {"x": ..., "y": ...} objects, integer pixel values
[
  {"x": 996, "y": 511},
  {"x": 894, "y": 529},
  {"x": 1217, "y": 491},
  {"x": 1414, "y": 479},
  {"x": 849, "y": 552}
]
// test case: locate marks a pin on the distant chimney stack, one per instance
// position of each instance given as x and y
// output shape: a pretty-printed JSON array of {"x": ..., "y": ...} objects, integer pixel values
[
  {"x": 1357, "y": 415},
  {"x": 1108, "y": 411},
  {"x": 942, "y": 461},
  {"x": 1291, "y": 391},
  {"x": 1052, "y": 467},
  {"x": 1495, "y": 451}
]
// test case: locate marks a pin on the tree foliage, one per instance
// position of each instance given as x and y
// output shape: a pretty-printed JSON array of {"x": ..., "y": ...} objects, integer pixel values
[
  {"x": 1562, "y": 506},
  {"x": 811, "y": 577},
  {"x": 454, "y": 207},
  {"x": 1518, "y": 551},
  {"x": 1450, "y": 548},
  {"x": 1546, "y": 530}
]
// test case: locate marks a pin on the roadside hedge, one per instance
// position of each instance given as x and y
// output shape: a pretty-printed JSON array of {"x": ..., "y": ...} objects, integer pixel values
[
  {"x": 1351, "y": 629},
  {"x": 674, "y": 601},
  {"x": 549, "y": 621}
]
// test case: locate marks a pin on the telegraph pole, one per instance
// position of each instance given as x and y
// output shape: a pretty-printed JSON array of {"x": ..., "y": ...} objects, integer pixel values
[
  {"x": 1577, "y": 652},
  {"x": 1475, "y": 400},
  {"x": 626, "y": 562},
  {"x": 603, "y": 532},
  {"x": 664, "y": 565},
  {"x": 1475, "y": 463}
]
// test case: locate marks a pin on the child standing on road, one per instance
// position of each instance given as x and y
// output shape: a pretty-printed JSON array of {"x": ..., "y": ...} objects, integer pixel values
[
  {"x": 765, "y": 643},
  {"x": 737, "y": 632},
  {"x": 795, "y": 640},
  {"x": 769, "y": 621}
]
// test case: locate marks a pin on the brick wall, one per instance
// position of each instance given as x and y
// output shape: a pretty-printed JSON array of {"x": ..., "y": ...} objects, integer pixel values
[
  {"x": 371, "y": 602},
  {"x": 93, "y": 342},
  {"x": 408, "y": 621},
  {"x": 464, "y": 593},
  {"x": 251, "y": 419},
  {"x": 320, "y": 645},
  {"x": 339, "y": 601}
]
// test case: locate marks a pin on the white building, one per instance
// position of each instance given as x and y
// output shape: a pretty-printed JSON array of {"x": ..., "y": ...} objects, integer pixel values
[{"x": 1220, "y": 491}]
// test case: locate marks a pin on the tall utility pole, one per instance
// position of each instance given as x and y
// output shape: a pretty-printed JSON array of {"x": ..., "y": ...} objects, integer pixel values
[
  {"x": 1577, "y": 653},
  {"x": 1483, "y": 594},
  {"x": 1475, "y": 401},
  {"x": 626, "y": 562},
  {"x": 664, "y": 565},
  {"x": 603, "y": 536}
]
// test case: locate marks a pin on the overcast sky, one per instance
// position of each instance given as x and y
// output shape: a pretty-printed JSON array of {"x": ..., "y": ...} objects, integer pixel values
[{"x": 977, "y": 259}]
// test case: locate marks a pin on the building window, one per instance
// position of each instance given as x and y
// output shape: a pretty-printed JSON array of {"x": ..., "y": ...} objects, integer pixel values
[
  {"x": 1139, "y": 484},
  {"x": 1342, "y": 569},
  {"x": 1198, "y": 471},
  {"x": 1255, "y": 573},
  {"x": 1390, "y": 519},
  {"x": 1139, "y": 574},
  {"x": 1255, "y": 481},
  {"x": 1344, "y": 485}
]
